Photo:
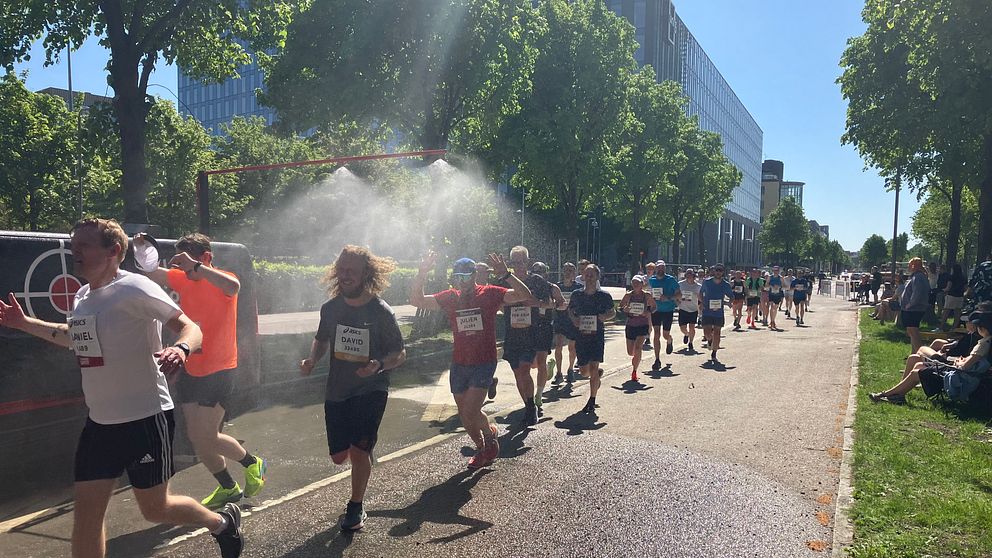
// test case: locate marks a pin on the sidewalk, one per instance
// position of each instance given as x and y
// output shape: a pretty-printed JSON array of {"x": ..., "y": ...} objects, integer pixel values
[{"x": 691, "y": 461}]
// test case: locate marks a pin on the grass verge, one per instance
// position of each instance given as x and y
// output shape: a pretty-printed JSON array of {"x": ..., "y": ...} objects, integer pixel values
[{"x": 922, "y": 471}]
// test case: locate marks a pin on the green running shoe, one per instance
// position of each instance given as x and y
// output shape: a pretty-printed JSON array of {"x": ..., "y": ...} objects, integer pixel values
[
  {"x": 255, "y": 477},
  {"x": 221, "y": 496}
]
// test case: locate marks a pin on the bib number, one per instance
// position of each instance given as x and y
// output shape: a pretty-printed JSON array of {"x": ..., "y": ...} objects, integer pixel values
[
  {"x": 85, "y": 343},
  {"x": 738, "y": 289},
  {"x": 688, "y": 298},
  {"x": 657, "y": 292},
  {"x": 588, "y": 324},
  {"x": 519, "y": 317},
  {"x": 776, "y": 290},
  {"x": 716, "y": 304},
  {"x": 351, "y": 344},
  {"x": 468, "y": 320},
  {"x": 752, "y": 293},
  {"x": 800, "y": 287},
  {"x": 567, "y": 296},
  {"x": 636, "y": 308}
]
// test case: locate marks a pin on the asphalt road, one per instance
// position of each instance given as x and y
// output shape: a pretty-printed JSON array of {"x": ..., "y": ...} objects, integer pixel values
[{"x": 740, "y": 460}]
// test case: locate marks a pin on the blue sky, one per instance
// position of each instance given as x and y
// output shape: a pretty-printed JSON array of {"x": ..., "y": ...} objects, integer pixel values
[{"x": 780, "y": 56}]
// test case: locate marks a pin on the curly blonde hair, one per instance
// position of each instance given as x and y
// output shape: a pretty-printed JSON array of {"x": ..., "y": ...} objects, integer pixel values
[{"x": 377, "y": 270}]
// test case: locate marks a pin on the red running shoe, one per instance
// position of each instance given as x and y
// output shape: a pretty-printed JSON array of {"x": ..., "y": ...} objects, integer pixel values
[{"x": 633, "y": 376}]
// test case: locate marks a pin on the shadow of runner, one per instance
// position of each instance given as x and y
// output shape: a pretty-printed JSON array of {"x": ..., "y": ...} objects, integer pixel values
[
  {"x": 440, "y": 505},
  {"x": 580, "y": 423},
  {"x": 663, "y": 372},
  {"x": 330, "y": 544},
  {"x": 630, "y": 387},
  {"x": 143, "y": 543},
  {"x": 511, "y": 443}
]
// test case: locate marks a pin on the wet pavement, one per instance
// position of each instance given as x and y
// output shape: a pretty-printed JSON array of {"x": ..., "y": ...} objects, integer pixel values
[{"x": 739, "y": 460}]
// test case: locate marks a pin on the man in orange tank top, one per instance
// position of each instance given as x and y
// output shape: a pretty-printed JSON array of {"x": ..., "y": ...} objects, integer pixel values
[{"x": 209, "y": 296}]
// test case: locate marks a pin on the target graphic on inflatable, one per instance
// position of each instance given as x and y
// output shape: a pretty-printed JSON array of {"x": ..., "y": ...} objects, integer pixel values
[{"x": 61, "y": 288}]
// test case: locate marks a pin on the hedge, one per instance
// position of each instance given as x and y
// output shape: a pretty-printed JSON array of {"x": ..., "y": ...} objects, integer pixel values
[{"x": 286, "y": 287}]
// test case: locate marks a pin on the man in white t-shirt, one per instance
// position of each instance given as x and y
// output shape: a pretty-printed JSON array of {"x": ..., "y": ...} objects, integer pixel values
[
  {"x": 115, "y": 330},
  {"x": 689, "y": 309}
]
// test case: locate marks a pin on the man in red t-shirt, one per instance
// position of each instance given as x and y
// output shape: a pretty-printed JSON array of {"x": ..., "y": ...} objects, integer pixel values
[
  {"x": 209, "y": 296},
  {"x": 471, "y": 310}
]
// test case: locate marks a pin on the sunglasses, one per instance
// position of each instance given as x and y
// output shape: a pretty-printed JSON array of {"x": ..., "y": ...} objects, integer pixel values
[{"x": 462, "y": 276}]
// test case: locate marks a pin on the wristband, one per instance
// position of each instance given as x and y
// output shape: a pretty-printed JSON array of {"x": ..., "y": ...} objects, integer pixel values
[
  {"x": 505, "y": 277},
  {"x": 381, "y": 369}
]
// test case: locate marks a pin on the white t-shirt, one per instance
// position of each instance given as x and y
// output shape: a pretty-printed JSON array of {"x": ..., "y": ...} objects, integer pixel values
[
  {"x": 690, "y": 296},
  {"x": 114, "y": 330},
  {"x": 787, "y": 283}
]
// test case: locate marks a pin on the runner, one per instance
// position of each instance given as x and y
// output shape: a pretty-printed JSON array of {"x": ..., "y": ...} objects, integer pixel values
[
  {"x": 115, "y": 331},
  {"x": 638, "y": 306},
  {"x": 800, "y": 295},
  {"x": 738, "y": 301},
  {"x": 520, "y": 342},
  {"x": 665, "y": 290},
  {"x": 689, "y": 309},
  {"x": 711, "y": 295},
  {"x": 765, "y": 276},
  {"x": 649, "y": 269},
  {"x": 564, "y": 330},
  {"x": 543, "y": 332},
  {"x": 589, "y": 308},
  {"x": 209, "y": 296},
  {"x": 775, "y": 296},
  {"x": 367, "y": 344},
  {"x": 787, "y": 290},
  {"x": 471, "y": 311},
  {"x": 753, "y": 287}
]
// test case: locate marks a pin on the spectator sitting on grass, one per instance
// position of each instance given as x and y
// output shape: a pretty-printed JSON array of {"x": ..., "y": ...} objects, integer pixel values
[
  {"x": 976, "y": 361},
  {"x": 944, "y": 350},
  {"x": 888, "y": 307}
]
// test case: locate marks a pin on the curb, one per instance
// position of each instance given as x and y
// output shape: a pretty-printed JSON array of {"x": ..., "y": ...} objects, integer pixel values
[{"x": 843, "y": 528}]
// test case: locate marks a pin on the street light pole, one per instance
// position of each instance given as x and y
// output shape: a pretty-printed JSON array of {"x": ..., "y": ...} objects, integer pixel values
[
  {"x": 523, "y": 193},
  {"x": 72, "y": 103},
  {"x": 895, "y": 222}
]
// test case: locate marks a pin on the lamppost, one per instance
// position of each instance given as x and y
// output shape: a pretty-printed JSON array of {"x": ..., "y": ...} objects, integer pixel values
[
  {"x": 523, "y": 201},
  {"x": 591, "y": 225},
  {"x": 727, "y": 247},
  {"x": 895, "y": 221}
]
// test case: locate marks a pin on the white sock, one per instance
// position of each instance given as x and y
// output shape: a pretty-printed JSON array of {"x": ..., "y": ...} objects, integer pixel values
[{"x": 223, "y": 525}]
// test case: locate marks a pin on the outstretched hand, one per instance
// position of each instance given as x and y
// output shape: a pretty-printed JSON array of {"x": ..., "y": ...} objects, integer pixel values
[
  {"x": 12, "y": 315},
  {"x": 428, "y": 262},
  {"x": 498, "y": 264}
]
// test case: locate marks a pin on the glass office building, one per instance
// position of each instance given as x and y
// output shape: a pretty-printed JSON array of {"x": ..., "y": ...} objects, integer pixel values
[
  {"x": 214, "y": 104},
  {"x": 668, "y": 45}
]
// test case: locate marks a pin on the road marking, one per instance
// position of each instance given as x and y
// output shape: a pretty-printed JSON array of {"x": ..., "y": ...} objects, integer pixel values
[{"x": 441, "y": 406}]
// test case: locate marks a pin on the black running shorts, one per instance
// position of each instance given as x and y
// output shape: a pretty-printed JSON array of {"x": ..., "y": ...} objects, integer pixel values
[
  {"x": 354, "y": 421},
  {"x": 663, "y": 319},
  {"x": 686, "y": 318},
  {"x": 142, "y": 448},
  {"x": 912, "y": 319},
  {"x": 589, "y": 348},
  {"x": 713, "y": 321},
  {"x": 205, "y": 391},
  {"x": 633, "y": 332}
]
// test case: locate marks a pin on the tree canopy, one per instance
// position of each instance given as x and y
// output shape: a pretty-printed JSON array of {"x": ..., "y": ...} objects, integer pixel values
[{"x": 784, "y": 233}]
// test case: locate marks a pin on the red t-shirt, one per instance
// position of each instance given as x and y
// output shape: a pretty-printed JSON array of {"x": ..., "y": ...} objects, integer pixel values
[{"x": 473, "y": 322}]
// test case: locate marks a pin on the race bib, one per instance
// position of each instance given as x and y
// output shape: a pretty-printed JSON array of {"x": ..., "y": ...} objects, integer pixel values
[
  {"x": 351, "y": 344},
  {"x": 776, "y": 290},
  {"x": 688, "y": 298},
  {"x": 800, "y": 287},
  {"x": 567, "y": 296},
  {"x": 636, "y": 308},
  {"x": 752, "y": 293},
  {"x": 657, "y": 292},
  {"x": 469, "y": 319},
  {"x": 519, "y": 316},
  {"x": 588, "y": 324},
  {"x": 716, "y": 304},
  {"x": 85, "y": 343},
  {"x": 738, "y": 289}
]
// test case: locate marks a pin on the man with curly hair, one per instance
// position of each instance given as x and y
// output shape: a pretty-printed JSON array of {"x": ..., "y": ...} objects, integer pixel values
[{"x": 366, "y": 345}]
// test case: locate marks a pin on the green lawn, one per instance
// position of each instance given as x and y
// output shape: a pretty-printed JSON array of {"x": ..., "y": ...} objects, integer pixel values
[{"x": 922, "y": 471}]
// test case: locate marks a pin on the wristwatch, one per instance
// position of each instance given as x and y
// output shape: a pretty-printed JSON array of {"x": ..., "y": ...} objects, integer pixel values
[
  {"x": 382, "y": 368},
  {"x": 183, "y": 347}
]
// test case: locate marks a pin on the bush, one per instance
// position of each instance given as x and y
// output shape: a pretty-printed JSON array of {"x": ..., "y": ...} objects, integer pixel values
[{"x": 286, "y": 287}]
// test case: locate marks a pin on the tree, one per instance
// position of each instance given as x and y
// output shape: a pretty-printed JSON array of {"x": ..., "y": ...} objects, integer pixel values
[
  {"x": 207, "y": 39},
  {"x": 816, "y": 250},
  {"x": 874, "y": 252},
  {"x": 838, "y": 257},
  {"x": 902, "y": 244},
  {"x": 915, "y": 106},
  {"x": 429, "y": 69},
  {"x": 648, "y": 151},
  {"x": 784, "y": 232},
  {"x": 563, "y": 138},
  {"x": 38, "y": 143},
  {"x": 930, "y": 227}
]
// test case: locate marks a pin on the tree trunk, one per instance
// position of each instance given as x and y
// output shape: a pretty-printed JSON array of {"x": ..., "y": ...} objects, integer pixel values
[
  {"x": 954, "y": 227},
  {"x": 985, "y": 202}
]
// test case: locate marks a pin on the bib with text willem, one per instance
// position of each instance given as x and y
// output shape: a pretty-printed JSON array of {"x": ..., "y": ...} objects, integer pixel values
[
  {"x": 469, "y": 319},
  {"x": 351, "y": 344},
  {"x": 716, "y": 304},
  {"x": 636, "y": 308},
  {"x": 85, "y": 343},
  {"x": 588, "y": 324},
  {"x": 519, "y": 317}
]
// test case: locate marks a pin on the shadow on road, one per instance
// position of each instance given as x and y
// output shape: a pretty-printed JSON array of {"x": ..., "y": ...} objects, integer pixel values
[
  {"x": 580, "y": 423},
  {"x": 440, "y": 505},
  {"x": 631, "y": 387},
  {"x": 511, "y": 443},
  {"x": 663, "y": 372},
  {"x": 328, "y": 544}
]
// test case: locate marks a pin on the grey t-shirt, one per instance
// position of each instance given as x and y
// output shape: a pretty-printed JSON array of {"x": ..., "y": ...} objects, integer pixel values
[{"x": 357, "y": 334}]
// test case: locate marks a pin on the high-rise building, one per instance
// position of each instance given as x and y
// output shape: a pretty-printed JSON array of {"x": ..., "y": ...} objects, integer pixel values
[
  {"x": 215, "y": 104},
  {"x": 774, "y": 188},
  {"x": 670, "y": 48}
]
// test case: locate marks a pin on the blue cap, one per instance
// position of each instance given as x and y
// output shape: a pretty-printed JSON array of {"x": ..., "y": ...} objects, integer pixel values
[{"x": 464, "y": 265}]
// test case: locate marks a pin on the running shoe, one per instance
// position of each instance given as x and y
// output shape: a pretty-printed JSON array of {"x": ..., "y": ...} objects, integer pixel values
[
  {"x": 590, "y": 407},
  {"x": 600, "y": 372},
  {"x": 229, "y": 539},
  {"x": 552, "y": 363},
  {"x": 787, "y": 314},
  {"x": 876, "y": 397},
  {"x": 656, "y": 365},
  {"x": 222, "y": 496},
  {"x": 737, "y": 327},
  {"x": 255, "y": 477},
  {"x": 354, "y": 517},
  {"x": 713, "y": 356},
  {"x": 491, "y": 451},
  {"x": 668, "y": 348},
  {"x": 530, "y": 415},
  {"x": 685, "y": 339},
  {"x": 633, "y": 376},
  {"x": 570, "y": 377},
  {"x": 491, "y": 394},
  {"x": 647, "y": 345},
  {"x": 558, "y": 378},
  {"x": 691, "y": 349}
]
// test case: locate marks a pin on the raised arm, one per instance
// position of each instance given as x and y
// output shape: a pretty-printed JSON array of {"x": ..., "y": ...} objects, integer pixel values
[
  {"x": 417, "y": 296},
  {"x": 12, "y": 316},
  {"x": 518, "y": 291},
  {"x": 228, "y": 284}
]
